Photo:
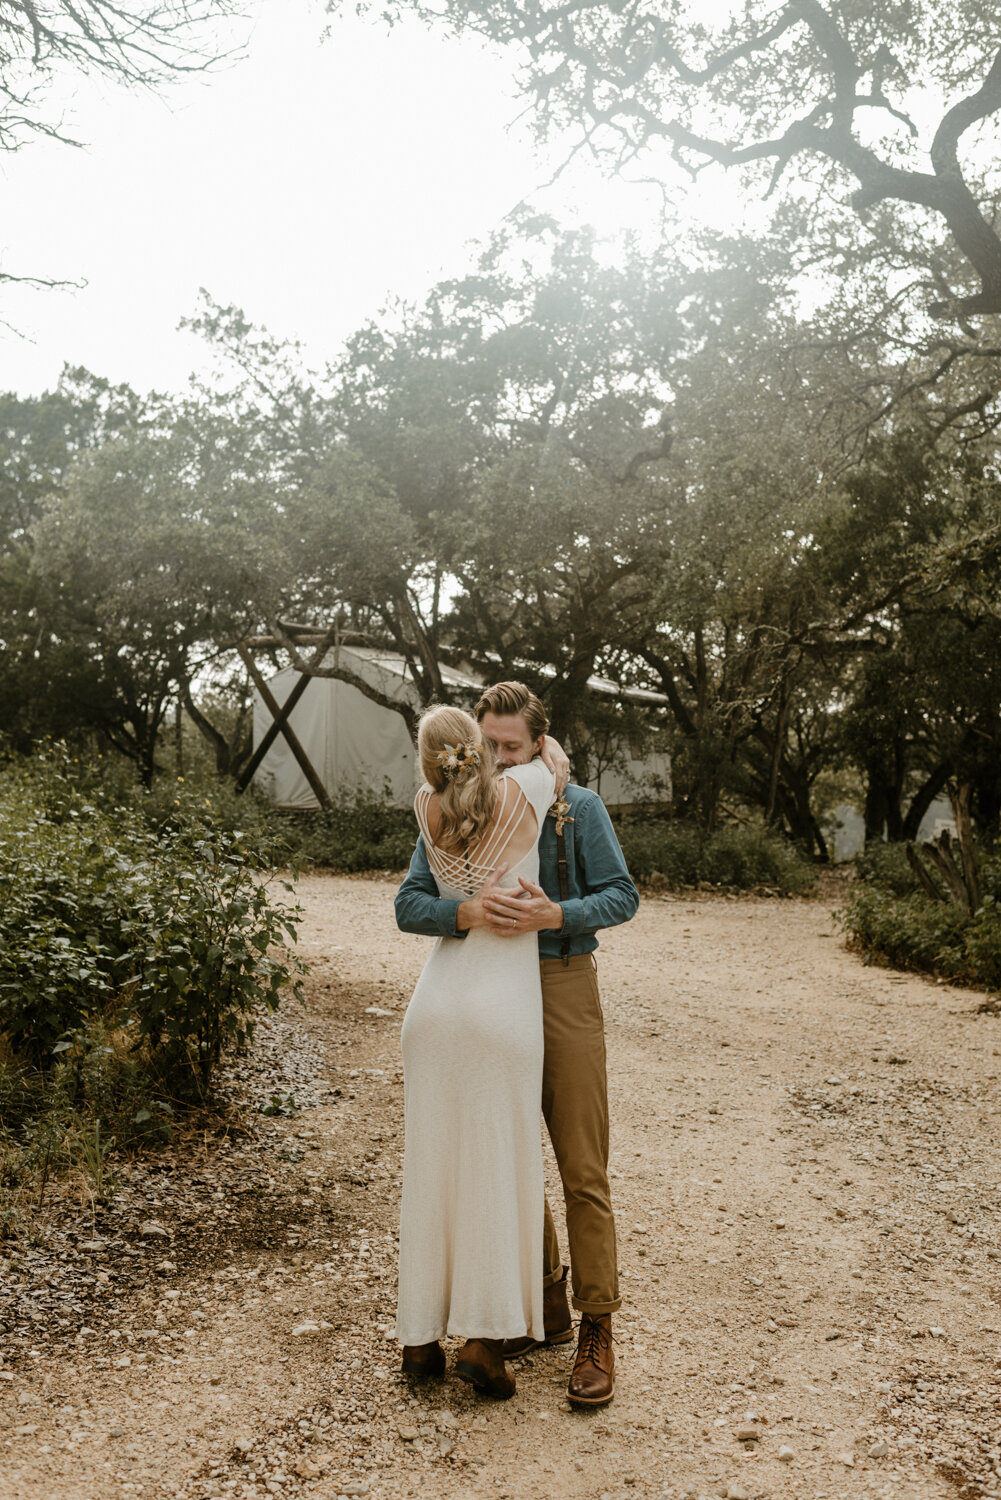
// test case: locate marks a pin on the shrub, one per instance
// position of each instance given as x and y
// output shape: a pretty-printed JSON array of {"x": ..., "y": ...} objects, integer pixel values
[
  {"x": 165, "y": 934},
  {"x": 205, "y": 961},
  {"x": 890, "y": 917},
  {"x": 885, "y": 866},
  {"x": 362, "y": 831},
  {"x": 735, "y": 858},
  {"x": 139, "y": 937}
]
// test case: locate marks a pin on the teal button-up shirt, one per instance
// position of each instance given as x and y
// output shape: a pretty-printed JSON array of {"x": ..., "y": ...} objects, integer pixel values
[{"x": 600, "y": 891}]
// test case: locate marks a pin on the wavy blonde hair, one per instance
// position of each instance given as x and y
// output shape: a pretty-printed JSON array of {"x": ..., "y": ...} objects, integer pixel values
[{"x": 466, "y": 801}]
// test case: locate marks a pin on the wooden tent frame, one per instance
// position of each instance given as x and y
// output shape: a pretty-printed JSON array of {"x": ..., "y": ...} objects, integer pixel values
[{"x": 321, "y": 640}]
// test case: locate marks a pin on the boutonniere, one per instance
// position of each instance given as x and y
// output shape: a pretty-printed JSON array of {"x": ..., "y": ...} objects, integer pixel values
[{"x": 560, "y": 810}]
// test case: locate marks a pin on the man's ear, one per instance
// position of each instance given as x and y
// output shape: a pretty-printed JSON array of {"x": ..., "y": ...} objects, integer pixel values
[{"x": 537, "y": 746}]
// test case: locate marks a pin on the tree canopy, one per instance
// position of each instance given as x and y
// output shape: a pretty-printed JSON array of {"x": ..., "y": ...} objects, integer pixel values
[
  {"x": 872, "y": 128},
  {"x": 554, "y": 467}
]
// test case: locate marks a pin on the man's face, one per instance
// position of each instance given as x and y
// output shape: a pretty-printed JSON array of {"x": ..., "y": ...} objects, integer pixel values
[{"x": 511, "y": 739}]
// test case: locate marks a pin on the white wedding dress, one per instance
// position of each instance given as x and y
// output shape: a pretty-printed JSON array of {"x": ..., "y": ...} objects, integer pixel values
[{"x": 471, "y": 1216}]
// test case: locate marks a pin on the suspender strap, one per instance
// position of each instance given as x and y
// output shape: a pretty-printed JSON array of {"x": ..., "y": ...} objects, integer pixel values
[{"x": 564, "y": 878}]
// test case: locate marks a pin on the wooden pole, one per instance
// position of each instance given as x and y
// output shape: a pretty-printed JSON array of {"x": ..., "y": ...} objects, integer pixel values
[
  {"x": 274, "y": 729},
  {"x": 281, "y": 725}
]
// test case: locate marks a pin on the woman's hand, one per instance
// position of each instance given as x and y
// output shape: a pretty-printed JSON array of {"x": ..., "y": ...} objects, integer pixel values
[
  {"x": 472, "y": 913},
  {"x": 554, "y": 756}
]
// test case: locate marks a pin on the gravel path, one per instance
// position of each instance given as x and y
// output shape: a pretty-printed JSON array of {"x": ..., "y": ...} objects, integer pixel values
[{"x": 807, "y": 1185}]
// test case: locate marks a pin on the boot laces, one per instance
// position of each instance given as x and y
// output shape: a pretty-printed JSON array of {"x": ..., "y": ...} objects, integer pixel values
[{"x": 594, "y": 1340}]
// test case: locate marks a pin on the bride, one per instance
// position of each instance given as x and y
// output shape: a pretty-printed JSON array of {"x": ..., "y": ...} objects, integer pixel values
[{"x": 471, "y": 1216}]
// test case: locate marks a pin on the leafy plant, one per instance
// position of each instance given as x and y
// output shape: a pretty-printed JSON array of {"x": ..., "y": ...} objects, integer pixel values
[
  {"x": 94, "y": 1150},
  {"x": 171, "y": 933},
  {"x": 890, "y": 918},
  {"x": 734, "y": 858}
]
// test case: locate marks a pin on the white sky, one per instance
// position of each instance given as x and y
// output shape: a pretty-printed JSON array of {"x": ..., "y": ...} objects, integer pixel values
[{"x": 307, "y": 183}]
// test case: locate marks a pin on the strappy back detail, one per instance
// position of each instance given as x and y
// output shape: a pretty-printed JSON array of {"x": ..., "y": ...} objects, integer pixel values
[{"x": 514, "y": 826}]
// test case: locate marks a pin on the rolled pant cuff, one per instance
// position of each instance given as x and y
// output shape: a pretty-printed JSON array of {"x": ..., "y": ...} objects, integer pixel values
[
  {"x": 596, "y": 1309},
  {"x": 551, "y": 1278}
]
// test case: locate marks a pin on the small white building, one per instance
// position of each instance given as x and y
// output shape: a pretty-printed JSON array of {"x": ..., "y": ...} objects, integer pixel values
[
  {"x": 845, "y": 832},
  {"x": 354, "y": 743}
]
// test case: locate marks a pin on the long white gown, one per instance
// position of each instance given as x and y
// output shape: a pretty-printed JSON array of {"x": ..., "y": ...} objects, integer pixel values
[{"x": 472, "y": 1209}]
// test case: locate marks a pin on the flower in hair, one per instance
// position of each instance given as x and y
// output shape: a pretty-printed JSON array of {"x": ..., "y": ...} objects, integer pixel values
[{"x": 459, "y": 760}]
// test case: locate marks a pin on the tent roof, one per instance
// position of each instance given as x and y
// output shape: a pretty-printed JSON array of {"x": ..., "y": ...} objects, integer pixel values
[{"x": 394, "y": 665}]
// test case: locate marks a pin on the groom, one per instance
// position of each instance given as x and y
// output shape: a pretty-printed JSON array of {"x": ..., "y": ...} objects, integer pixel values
[{"x": 592, "y": 890}]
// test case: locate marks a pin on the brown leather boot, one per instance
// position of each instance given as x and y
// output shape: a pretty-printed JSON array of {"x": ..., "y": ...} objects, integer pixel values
[
  {"x": 423, "y": 1361},
  {"x": 592, "y": 1383},
  {"x": 481, "y": 1363},
  {"x": 556, "y": 1321}
]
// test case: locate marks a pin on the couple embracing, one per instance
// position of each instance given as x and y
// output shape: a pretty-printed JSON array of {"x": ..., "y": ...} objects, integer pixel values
[{"x": 505, "y": 1018}]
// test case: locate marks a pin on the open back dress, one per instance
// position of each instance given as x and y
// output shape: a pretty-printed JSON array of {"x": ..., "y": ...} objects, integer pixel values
[{"x": 472, "y": 1209}]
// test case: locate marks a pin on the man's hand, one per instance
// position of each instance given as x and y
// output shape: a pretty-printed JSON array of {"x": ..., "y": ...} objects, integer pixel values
[
  {"x": 471, "y": 913},
  {"x": 553, "y": 756},
  {"x": 510, "y": 912}
]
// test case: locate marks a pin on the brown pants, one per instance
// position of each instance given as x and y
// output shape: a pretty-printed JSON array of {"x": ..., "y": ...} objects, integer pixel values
[{"x": 575, "y": 1107}]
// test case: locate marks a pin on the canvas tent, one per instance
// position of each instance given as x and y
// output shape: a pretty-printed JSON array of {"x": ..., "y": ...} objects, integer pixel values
[{"x": 355, "y": 743}]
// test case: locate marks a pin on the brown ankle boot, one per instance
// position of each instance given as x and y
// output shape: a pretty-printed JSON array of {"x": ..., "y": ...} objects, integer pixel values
[
  {"x": 592, "y": 1382},
  {"x": 556, "y": 1321},
  {"x": 481, "y": 1363},
  {"x": 423, "y": 1361}
]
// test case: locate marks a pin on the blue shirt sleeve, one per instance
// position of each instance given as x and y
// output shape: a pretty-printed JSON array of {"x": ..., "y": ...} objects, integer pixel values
[
  {"x": 419, "y": 908},
  {"x": 610, "y": 897}
]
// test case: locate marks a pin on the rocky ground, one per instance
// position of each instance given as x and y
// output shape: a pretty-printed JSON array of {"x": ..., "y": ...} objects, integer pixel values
[{"x": 807, "y": 1180}]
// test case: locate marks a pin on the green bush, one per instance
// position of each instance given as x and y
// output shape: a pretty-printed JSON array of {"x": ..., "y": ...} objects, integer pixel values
[
  {"x": 890, "y": 917},
  {"x": 733, "y": 858},
  {"x": 140, "y": 935},
  {"x": 362, "y": 831},
  {"x": 163, "y": 930},
  {"x": 885, "y": 866},
  {"x": 193, "y": 809}
]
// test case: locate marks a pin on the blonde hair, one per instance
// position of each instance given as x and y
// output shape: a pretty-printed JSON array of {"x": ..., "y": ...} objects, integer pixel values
[
  {"x": 466, "y": 800},
  {"x": 514, "y": 698}
]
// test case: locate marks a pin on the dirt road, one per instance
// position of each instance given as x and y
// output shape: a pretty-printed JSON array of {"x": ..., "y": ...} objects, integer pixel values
[{"x": 808, "y": 1185}]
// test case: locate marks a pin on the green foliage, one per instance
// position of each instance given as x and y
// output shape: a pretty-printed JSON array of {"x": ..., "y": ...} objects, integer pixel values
[
  {"x": 752, "y": 88},
  {"x": 85, "y": 1110},
  {"x": 891, "y": 919},
  {"x": 885, "y": 865},
  {"x": 555, "y": 467},
  {"x": 362, "y": 831},
  {"x": 680, "y": 854},
  {"x": 161, "y": 928}
]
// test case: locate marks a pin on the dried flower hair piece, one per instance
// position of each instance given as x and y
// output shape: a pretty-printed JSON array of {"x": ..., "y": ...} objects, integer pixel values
[{"x": 458, "y": 760}]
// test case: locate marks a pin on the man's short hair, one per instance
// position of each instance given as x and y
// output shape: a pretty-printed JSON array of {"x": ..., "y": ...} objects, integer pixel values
[{"x": 514, "y": 698}]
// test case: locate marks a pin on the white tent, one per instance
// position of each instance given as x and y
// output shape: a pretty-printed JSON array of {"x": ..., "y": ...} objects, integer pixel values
[{"x": 355, "y": 743}]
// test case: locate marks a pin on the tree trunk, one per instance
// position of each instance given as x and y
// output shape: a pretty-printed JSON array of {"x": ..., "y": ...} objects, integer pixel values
[
  {"x": 178, "y": 739},
  {"x": 960, "y": 798},
  {"x": 882, "y": 808},
  {"x": 962, "y": 880},
  {"x": 771, "y": 810},
  {"x": 923, "y": 799},
  {"x": 220, "y": 745}
]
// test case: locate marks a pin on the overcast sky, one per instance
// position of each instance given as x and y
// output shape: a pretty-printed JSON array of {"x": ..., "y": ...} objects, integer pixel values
[{"x": 308, "y": 183}]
